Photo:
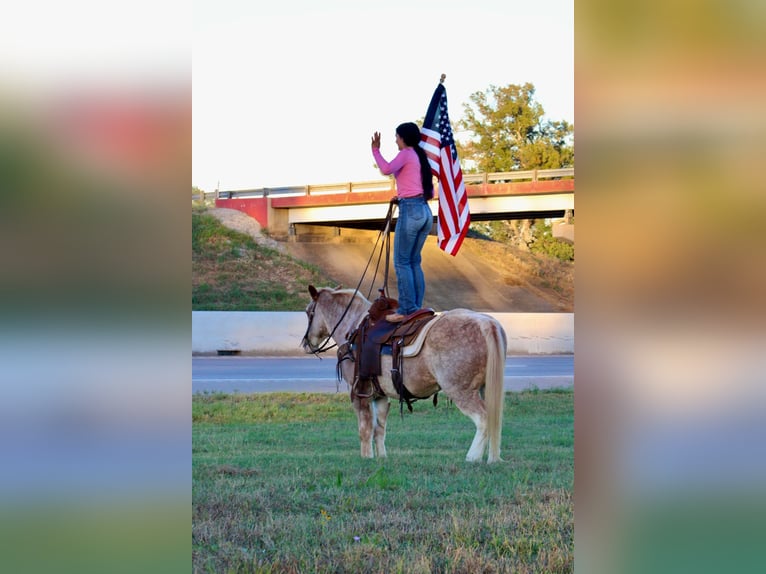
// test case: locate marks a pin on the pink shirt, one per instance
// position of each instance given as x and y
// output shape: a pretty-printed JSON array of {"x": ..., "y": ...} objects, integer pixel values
[{"x": 406, "y": 169}]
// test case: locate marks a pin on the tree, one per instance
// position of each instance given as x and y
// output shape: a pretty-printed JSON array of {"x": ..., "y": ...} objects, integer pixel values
[
  {"x": 511, "y": 134},
  {"x": 198, "y": 197}
]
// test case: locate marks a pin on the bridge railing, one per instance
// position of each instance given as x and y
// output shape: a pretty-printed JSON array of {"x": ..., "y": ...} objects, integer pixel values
[
  {"x": 511, "y": 176},
  {"x": 388, "y": 184},
  {"x": 204, "y": 196}
]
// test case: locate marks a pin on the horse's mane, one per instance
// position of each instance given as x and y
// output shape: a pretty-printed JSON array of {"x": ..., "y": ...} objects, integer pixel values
[{"x": 351, "y": 293}]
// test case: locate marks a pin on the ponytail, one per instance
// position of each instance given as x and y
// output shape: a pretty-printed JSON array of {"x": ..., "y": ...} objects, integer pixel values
[
  {"x": 425, "y": 173},
  {"x": 410, "y": 134}
]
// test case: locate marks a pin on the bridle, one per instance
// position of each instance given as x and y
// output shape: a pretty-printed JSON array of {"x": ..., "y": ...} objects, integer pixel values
[
  {"x": 324, "y": 346},
  {"x": 311, "y": 310}
]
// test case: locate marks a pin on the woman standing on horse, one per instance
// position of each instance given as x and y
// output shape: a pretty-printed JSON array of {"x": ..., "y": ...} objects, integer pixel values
[{"x": 414, "y": 187}]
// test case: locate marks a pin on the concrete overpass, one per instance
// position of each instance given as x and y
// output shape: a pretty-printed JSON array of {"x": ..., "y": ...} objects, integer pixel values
[{"x": 290, "y": 212}]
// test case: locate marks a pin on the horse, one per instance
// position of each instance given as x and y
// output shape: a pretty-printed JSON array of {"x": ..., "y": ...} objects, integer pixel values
[{"x": 462, "y": 355}]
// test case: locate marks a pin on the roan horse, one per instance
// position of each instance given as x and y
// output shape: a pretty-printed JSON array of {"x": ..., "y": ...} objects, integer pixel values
[{"x": 462, "y": 355}]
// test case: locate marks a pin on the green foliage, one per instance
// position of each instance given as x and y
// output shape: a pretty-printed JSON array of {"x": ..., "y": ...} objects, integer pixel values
[
  {"x": 232, "y": 272},
  {"x": 198, "y": 198},
  {"x": 539, "y": 238},
  {"x": 501, "y": 231},
  {"x": 544, "y": 242},
  {"x": 510, "y": 133},
  {"x": 207, "y": 230},
  {"x": 288, "y": 492}
]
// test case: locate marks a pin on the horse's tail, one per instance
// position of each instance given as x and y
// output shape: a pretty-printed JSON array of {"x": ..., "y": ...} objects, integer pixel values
[{"x": 494, "y": 395}]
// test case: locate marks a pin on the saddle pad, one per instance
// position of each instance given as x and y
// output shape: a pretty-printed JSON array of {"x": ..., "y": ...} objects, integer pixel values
[{"x": 416, "y": 346}]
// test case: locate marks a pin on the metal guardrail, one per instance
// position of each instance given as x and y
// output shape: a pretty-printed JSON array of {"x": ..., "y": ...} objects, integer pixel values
[
  {"x": 388, "y": 184},
  {"x": 510, "y": 176},
  {"x": 204, "y": 196}
]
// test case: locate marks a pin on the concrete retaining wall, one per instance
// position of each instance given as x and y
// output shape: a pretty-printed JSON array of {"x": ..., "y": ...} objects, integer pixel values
[{"x": 280, "y": 333}]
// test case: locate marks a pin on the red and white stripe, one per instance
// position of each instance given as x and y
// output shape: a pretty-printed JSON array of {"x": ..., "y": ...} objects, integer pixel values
[
  {"x": 430, "y": 141},
  {"x": 454, "y": 214}
]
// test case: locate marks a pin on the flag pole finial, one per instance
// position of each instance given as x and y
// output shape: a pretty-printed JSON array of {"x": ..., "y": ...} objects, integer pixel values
[{"x": 441, "y": 80}]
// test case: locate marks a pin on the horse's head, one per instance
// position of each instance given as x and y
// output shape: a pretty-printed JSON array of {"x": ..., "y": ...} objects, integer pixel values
[
  {"x": 318, "y": 329},
  {"x": 332, "y": 313}
]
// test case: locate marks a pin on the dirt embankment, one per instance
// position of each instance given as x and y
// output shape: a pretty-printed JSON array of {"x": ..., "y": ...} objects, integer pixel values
[{"x": 484, "y": 276}]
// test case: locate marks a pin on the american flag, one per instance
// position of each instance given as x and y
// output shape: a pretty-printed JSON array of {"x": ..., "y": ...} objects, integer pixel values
[{"x": 437, "y": 141}]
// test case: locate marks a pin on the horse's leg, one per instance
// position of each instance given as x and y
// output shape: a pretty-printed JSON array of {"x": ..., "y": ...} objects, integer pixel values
[
  {"x": 472, "y": 406},
  {"x": 366, "y": 419},
  {"x": 381, "y": 407}
]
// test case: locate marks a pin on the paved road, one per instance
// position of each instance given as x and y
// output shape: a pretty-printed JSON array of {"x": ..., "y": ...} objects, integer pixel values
[{"x": 312, "y": 375}]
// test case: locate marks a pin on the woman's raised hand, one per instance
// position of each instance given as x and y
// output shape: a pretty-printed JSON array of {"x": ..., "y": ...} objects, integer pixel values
[{"x": 376, "y": 140}]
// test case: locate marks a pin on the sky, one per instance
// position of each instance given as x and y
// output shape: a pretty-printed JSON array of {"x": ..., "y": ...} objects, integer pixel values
[{"x": 289, "y": 93}]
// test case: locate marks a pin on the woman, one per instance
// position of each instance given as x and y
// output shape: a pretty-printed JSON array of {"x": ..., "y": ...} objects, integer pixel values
[{"x": 414, "y": 187}]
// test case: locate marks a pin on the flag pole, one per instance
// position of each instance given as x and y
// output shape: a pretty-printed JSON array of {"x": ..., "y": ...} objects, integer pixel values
[{"x": 441, "y": 80}]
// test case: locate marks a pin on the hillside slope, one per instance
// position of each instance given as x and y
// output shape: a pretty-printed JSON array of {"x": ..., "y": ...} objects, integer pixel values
[
  {"x": 239, "y": 270},
  {"x": 485, "y": 276}
]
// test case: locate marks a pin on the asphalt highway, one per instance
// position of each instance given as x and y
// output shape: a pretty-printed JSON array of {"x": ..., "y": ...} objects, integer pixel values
[{"x": 313, "y": 375}]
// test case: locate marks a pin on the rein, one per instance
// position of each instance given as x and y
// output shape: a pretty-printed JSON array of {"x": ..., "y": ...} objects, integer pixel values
[{"x": 325, "y": 346}]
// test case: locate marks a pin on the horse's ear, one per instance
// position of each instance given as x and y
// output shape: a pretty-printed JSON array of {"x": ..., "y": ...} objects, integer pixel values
[{"x": 313, "y": 292}]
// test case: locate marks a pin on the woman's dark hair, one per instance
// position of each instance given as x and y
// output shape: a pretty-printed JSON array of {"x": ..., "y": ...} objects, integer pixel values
[{"x": 410, "y": 135}]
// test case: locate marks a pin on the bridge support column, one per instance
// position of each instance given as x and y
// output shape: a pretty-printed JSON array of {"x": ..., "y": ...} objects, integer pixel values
[{"x": 279, "y": 226}]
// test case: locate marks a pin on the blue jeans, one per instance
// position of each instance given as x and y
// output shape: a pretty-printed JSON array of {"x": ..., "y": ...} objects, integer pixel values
[{"x": 412, "y": 228}]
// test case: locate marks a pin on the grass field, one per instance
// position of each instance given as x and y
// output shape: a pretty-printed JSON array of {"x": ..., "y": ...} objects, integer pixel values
[{"x": 278, "y": 486}]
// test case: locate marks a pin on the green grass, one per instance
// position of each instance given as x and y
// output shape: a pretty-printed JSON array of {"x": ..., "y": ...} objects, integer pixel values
[
  {"x": 231, "y": 272},
  {"x": 279, "y": 486}
]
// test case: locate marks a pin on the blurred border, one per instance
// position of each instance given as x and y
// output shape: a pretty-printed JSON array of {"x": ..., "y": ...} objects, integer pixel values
[
  {"x": 95, "y": 163},
  {"x": 670, "y": 402},
  {"x": 94, "y": 176}
]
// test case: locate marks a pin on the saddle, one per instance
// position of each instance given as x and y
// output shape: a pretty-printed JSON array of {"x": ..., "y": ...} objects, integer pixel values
[{"x": 376, "y": 336}]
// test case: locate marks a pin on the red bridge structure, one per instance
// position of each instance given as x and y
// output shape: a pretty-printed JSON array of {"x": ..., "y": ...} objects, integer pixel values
[{"x": 287, "y": 212}]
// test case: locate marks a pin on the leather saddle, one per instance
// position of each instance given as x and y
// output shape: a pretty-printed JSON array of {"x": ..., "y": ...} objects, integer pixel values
[{"x": 376, "y": 336}]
